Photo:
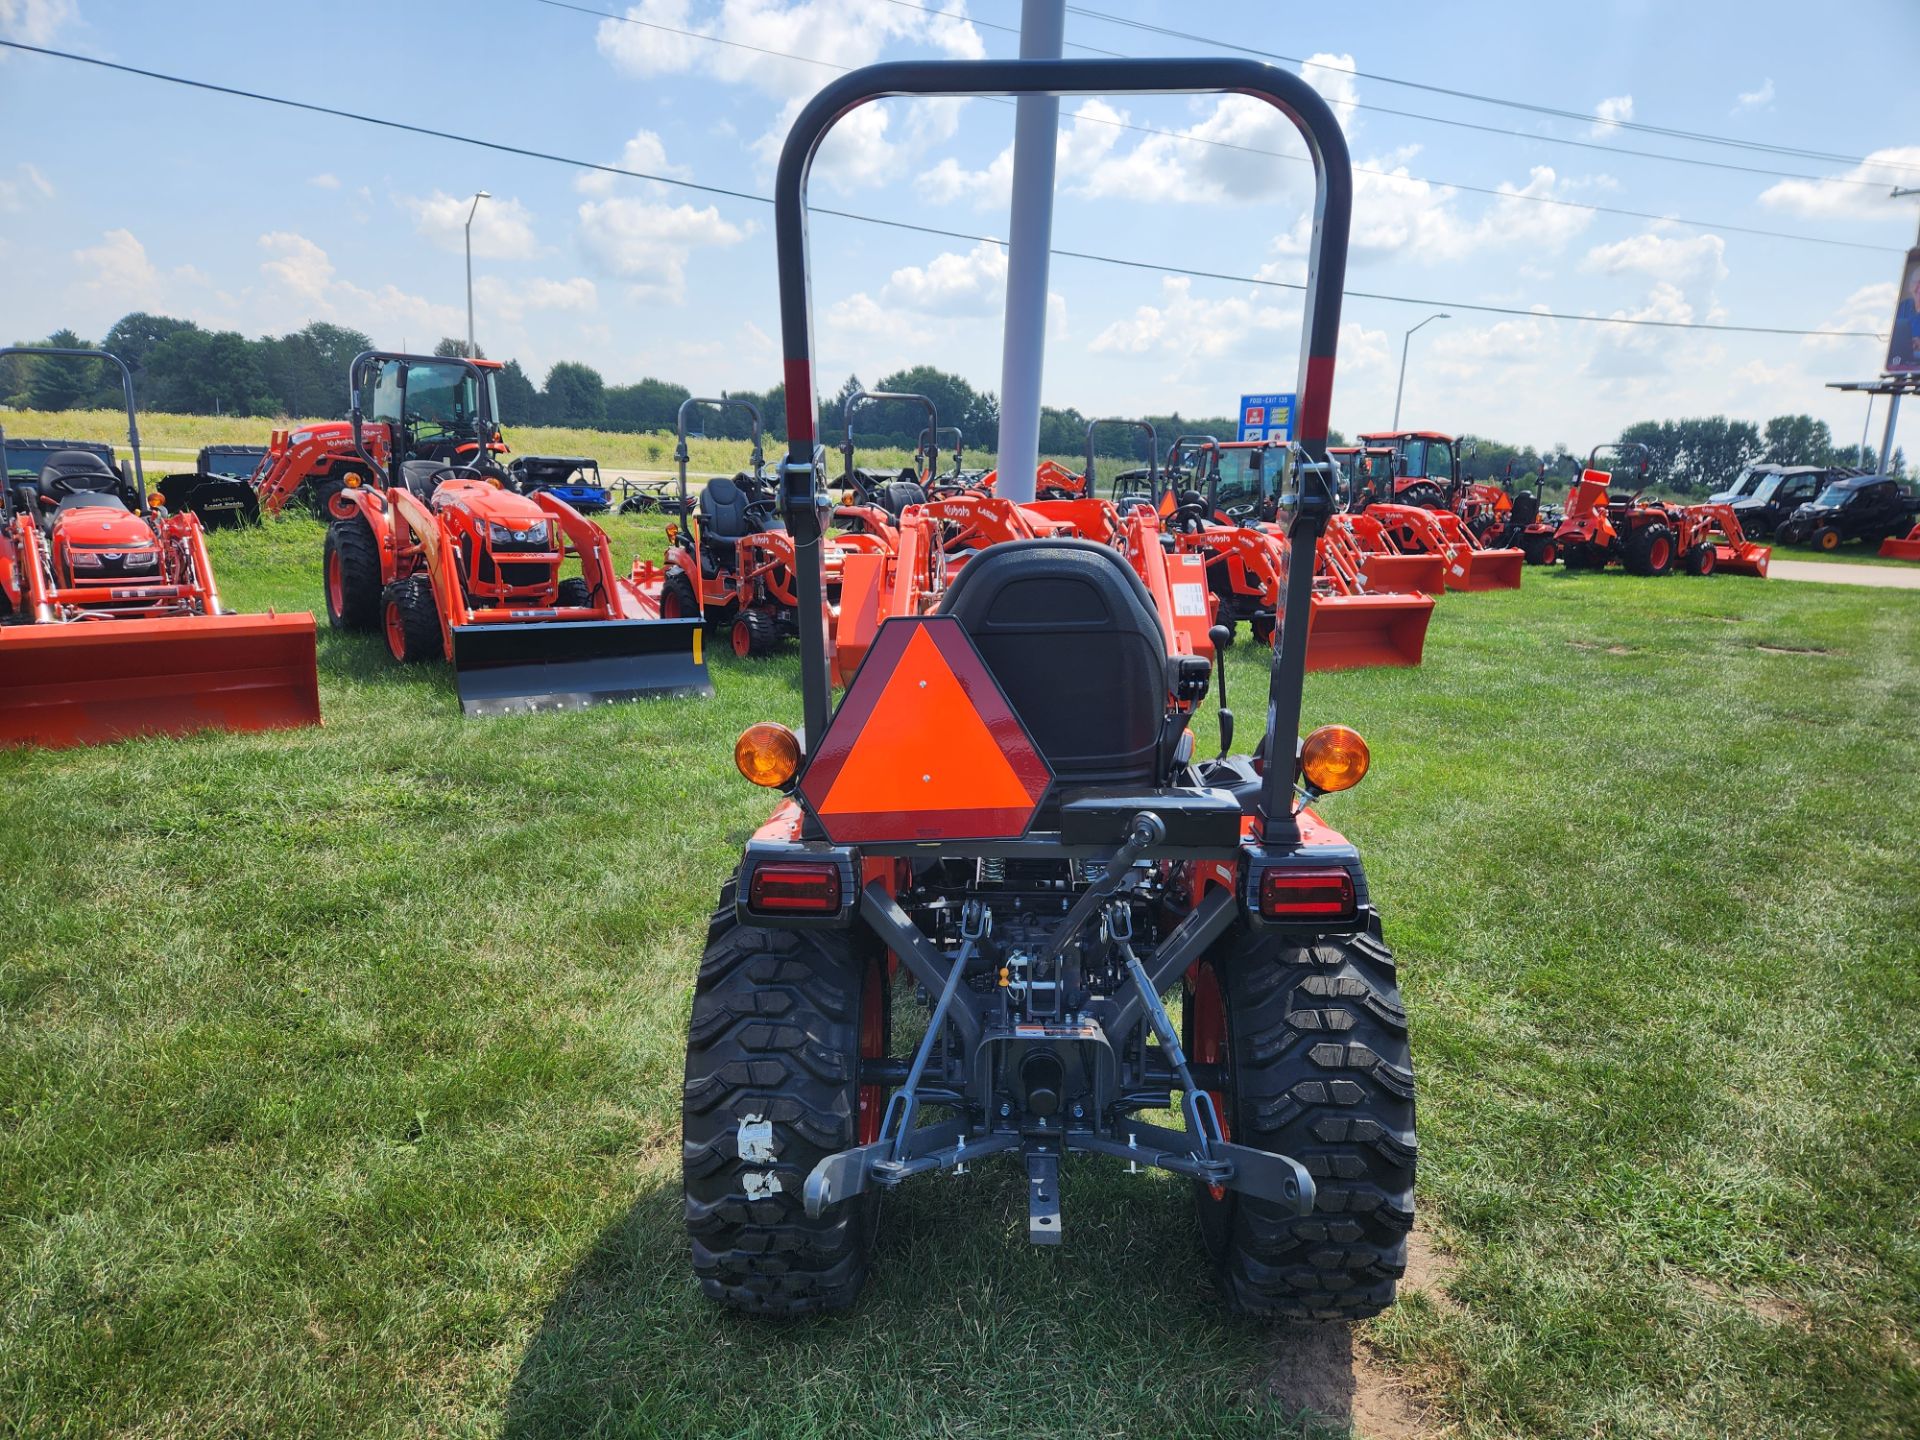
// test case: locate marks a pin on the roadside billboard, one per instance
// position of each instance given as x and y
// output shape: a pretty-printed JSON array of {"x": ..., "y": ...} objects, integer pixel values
[
  {"x": 1903, "y": 349},
  {"x": 1266, "y": 417}
]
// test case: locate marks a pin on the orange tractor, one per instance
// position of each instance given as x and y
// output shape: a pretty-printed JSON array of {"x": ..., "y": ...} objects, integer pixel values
[
  {"x": 1648, "y": 537},
  {"x": 111, "y": 624},
  {"x": 448, "y": 563},
  {"x": 1426, "y": 477}
]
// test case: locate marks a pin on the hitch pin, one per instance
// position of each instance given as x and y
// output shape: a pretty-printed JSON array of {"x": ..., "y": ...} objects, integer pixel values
[
  {"x": 1133, "y": 1143},
  {"x": 960, "y": 1157}
]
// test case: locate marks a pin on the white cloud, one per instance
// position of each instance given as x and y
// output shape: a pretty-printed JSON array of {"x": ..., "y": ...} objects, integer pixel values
[
  {"x": 1083, "y": 144},
  {"x": 1244, "y": 151},
  {"x": 1194, "y": 329},
  {"x": 1860, "y": 193},
  {"x": 509, "y": 301},
  {"x": 1613, "y": 108},
  {"x": 17, "y": 193},
  {"x": 36, "y": 22},
  {"x": 647, "y": 152},
  {"x": 1332, "y": 76},
  {"x": 1691, "y": 263},
  {"x": 118, "y": 267},
  {"x": 306, "y": 275},
  {"x": 502, "y": 227},
  {"x": 845, "y": 32},
  {"x": 1760, "y": 99},
  {"x": 326, "y": 180},
  {"x": 950, "y": 288},
  {"x": 1869, "y": 308},
  {"x": 648, "y": 243}
]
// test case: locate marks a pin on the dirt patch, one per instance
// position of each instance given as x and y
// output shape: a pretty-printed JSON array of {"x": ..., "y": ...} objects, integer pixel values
[
  {"x": 1793, "y": 649},
  {"x": 1610, "y": 649},
  {"x": 1322, "y": 1368},
  {"x": 1762, "y": 1305}
]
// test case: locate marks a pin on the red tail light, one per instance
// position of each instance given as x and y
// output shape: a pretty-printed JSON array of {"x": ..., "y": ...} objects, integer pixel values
[
  {"x": 1306, "y": 895},
  {"x": 803, "y": 889}
]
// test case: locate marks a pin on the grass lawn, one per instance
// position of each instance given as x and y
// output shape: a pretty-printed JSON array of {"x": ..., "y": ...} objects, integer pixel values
[{"x": 339, "y": 1069}]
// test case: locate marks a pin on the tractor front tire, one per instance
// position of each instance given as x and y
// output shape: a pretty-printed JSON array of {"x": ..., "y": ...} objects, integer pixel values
[
  {"x": 755, "y": 634},
  {"x": 572, "y": 593},
  {"x": 772, "y": 1088},
  {"x": 1702, "y": 559},
  {"x": 411, "y": 620},
  {"x": 1318, "y": 1069},
  {"x": 350, "y": 570},
  {"x": 1650, "y": 550},
  {"x": 677, "y": 598},
  {"x": 1261, "y": 628}
]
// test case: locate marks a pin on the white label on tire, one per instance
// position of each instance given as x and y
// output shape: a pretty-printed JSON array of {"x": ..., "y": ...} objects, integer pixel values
[
  {"x": 1189, "y": 599},
  {"x": 762, "y": 1186},
  {"x": 755, "y": 1143}
]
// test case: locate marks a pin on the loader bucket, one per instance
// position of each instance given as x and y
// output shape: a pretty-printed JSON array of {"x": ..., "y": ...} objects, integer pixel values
[
  {"x": 91, "y": 681},
  {"x": 1752, "y": 559},
  {"x": 1490, "y": 570},
  {"x": 1385, "y": 574},
  {"x": 1906, "y": 548},
  {"x": 571, "y": 664},
  {"x": 220, "y": 503},
  {"x": 1351, "y": 632}
]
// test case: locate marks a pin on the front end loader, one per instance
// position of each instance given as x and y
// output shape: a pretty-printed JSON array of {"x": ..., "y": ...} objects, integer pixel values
[
  {"x": 111, "y": 624},
  {"x": 1005, "y": 814},
  {"x": 448, "y": 563},
  {"x": 220, "y": 490}
]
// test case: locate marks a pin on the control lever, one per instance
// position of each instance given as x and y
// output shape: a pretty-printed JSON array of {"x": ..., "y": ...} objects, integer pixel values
[{"x": 1222, "y": 637}]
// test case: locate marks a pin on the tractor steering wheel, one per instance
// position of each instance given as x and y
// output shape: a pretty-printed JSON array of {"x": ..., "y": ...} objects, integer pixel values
[{"x": 1190, "y": 512}]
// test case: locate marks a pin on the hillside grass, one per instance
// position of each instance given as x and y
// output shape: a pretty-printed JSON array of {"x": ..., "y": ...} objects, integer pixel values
[{"x": 340, "y": 1068}]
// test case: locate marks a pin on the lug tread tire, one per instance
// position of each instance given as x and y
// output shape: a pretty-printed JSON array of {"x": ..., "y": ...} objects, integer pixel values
[
  {"x": 572, "y": 592},
  {"x": 359, "y": 555},
  {"x": 1640, "y": 549},
  {"x": 1323, "y": 1073},
  {"x": 775, "y": 1033},
  {"x": 419, "y": 619}
]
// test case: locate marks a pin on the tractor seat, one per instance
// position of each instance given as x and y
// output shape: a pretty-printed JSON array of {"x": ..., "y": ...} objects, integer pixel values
[
  {"x": 724, "y": 517},
  {"x": 1071, "y": 634},
  {"x": 423, "y": 477},
  {"x": 68, "y": 471}
]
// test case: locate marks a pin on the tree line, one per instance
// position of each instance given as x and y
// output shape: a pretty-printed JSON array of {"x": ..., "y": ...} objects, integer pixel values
[{"x": 181, "y": 368}]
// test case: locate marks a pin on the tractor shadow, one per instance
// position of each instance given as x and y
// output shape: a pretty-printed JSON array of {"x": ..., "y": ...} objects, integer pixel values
[{"x": 963, "y": 1327}]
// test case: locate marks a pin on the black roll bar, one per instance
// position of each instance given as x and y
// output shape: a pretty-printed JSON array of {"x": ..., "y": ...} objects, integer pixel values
[
  {"x": 681, "y": 455},
  {"x": 854, "y": 402},
  {"x": 133, "y": 424},
  {"x": 486, "y": 424}
]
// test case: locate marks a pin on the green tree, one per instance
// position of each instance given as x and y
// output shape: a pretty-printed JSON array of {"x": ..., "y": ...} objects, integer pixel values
[
  {"x": 133, "y": 338},
  {"x": 574, "y": 395},
  {"x": 200, "y": 372},
  {"x": 306, "y": 372},
  {"x": 1798, "y": 440},
  {"x": 648, "y": 405},
  {"x": 59, "y": 384},
  {"x": 452, "y": 348},
  {"x": 518, "y": 399}
]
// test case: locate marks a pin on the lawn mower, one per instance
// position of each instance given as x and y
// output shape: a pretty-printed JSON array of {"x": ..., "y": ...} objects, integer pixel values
[
  {"x": 1648, "y": 537},
  {"x": 1006, "y": 813},
  {"x": 572, "y": 479},
  {"x": 448, "y": 563},
  {"x": 220, "y": 489},
  {"x": 111, "y": 624},
  {"x": 733, "y": 564}
]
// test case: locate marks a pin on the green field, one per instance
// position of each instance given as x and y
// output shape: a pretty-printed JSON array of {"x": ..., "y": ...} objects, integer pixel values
[{"x": 339, "y": 1069}]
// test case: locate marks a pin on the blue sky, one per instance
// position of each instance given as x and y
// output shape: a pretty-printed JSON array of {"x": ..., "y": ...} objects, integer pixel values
[{"x": 118, "y": 193}]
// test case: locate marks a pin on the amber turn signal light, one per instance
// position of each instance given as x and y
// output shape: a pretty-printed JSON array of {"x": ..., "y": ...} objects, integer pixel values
[
  {"x": 767, "y": 754},
  {"x": 1334, "y": 758}
]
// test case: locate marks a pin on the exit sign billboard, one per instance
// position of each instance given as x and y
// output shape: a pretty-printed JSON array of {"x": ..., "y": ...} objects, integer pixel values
[{"x": 1266, "y": 417}]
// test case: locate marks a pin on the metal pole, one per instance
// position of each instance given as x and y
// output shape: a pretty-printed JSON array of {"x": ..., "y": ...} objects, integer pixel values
[
  {"x": 1036, "y": 128},
  {"x": 1405, "y": 341},
  {"x": 472, "y": 353},
  {"x": 1886, "y": 441}
]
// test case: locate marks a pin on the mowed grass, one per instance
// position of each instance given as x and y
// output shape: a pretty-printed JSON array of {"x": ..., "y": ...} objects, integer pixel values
[{"x": 339, "y": 1069}]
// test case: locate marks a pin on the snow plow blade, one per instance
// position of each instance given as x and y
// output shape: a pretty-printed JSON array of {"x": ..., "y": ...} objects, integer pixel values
[
  {"x": 1385, "y": 574},
  {"x": 571, "y": 664},
  {"x": 1352, "y": 632},
  {"x": 90, "y": 682},
  {"x": 1486, "y": 570}
]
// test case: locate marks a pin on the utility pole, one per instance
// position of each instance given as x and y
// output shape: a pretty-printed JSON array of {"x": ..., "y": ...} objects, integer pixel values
[
  {"x": 479, "y": 195},
  {"x": 1036, "y": 129},
  {"x": 1405, "y": 341}
]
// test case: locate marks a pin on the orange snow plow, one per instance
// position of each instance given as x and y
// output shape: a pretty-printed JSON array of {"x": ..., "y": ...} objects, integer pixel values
[{"x": 111, "y": 625}]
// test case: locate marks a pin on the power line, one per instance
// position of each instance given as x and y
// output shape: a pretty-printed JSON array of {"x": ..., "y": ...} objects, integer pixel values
[
  {"x": 669, "y": 180},
  {"x": 1274, "y": 154},
  {"x": 1696, "y": 136}
]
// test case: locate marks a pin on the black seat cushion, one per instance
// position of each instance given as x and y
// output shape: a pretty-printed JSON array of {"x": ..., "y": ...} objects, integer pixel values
[
  {"x": 423, "y": 477},
  {"x": 1071, "y": 635},
  {"x": 68, "y": 471}
]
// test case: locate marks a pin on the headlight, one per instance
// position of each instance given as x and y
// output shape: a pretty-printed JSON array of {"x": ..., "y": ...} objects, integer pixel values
[
  {"x": 85, "y": 559},
  {"x": 534, "y": 536}
]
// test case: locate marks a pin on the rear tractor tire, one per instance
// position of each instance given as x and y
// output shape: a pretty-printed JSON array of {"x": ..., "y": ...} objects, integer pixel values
[
  {"x": 772, "y": 1087},
  {"x": 1318, "y": 1068},
  {"x": 1650, "y": 550},
  {"x": 350, "y": 571},
  {"x": 677, "y": 598},
  {"x": 411, "y": 620},
  {"x": 755, "y": 634}
]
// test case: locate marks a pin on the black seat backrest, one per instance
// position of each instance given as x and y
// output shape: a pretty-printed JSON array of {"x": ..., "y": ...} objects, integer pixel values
[
  {"x": 76, "y": 470},
  {"x": 723, "y": 510},
  {"x": 1071, "y": 635},
  {"x": 423, "y": 477}
]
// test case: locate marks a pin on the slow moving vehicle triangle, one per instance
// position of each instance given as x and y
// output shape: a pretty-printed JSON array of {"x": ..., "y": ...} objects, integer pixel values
[{"x": 875, "y": 778}]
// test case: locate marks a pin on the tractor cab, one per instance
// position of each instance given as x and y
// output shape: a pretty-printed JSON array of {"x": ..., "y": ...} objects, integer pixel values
[
  {"x": 1426, "y": 465},
  {"x": 442, "y": 413},
  {"x": 1369, "y": 471}
]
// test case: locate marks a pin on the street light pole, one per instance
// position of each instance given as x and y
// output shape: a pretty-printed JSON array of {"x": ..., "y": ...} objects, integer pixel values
[
  {"x": 1405, "y": 341},
  {"x": 479, "y": 195}
]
